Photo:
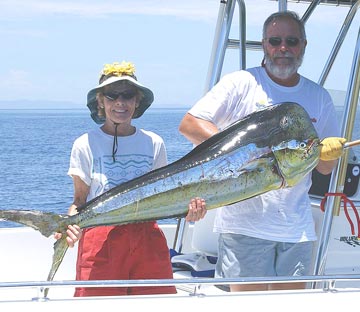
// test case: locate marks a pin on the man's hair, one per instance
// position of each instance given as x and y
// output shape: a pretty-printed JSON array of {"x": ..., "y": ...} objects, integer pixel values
[{"x": 285, "y": 15}]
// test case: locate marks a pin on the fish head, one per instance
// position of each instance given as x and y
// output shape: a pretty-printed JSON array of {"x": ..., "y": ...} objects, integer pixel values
[
  {"x": 297, "y": 152},
  {"x": 296, "y": 158}
]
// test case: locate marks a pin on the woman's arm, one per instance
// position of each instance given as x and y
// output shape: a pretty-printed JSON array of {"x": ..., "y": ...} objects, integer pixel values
[{"x": 81, "y": 191}]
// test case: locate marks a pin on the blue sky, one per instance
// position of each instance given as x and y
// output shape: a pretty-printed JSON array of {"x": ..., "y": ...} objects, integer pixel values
[{"x": 54, "y": 49}]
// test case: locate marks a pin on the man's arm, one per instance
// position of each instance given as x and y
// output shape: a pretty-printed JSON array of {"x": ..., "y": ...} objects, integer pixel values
[
  {"x": 331, "y": 150},
  {"x": 196, "y": 130},
  {"x": 326, "y": 167}
]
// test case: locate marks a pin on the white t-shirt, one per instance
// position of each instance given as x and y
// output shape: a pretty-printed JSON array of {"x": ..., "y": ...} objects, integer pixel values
[
  {"x": 282, "y": 215},
  {"x": 91, "y": 158}
]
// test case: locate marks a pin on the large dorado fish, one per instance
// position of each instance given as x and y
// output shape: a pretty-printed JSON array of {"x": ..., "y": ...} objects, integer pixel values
[{"x": 270, "y": 149}]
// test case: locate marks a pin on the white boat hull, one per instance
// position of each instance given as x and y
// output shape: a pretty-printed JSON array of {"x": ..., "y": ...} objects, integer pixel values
[{"x": 27, "y": 255}]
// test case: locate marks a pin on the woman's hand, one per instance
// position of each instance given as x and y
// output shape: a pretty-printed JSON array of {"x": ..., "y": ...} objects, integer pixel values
[
  {"x": 74, "y": 234},
  {"x": 197, "y": 210}
]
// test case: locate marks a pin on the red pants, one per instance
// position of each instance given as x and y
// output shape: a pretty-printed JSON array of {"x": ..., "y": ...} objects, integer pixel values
[{"x": 126, "y": 252}]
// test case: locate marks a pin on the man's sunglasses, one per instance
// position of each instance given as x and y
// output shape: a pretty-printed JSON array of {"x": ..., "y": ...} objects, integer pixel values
[
  {"x": 290, "y": 41},
  {"x": 125, "y": 95}
]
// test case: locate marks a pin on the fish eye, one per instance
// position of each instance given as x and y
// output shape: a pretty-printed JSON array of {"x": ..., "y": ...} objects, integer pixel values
[{"x": 302, "y": 145}]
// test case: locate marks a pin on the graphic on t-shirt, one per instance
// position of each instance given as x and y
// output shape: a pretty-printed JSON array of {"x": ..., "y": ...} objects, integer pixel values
[{"x": 125, "y": 168}]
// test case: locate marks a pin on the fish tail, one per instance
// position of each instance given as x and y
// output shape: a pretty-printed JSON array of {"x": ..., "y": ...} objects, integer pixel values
[
  {"x": 60, "y": 248},
  {"x": 46, "y": 223}
]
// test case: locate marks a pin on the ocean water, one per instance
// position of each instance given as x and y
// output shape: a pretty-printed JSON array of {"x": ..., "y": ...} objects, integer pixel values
[{"x": 35, "y": 149}]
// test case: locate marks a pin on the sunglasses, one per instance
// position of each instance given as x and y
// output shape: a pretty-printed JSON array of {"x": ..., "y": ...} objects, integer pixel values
[
  {"x": 290, "y": 41},
  {"x": 125, "y": 95}
]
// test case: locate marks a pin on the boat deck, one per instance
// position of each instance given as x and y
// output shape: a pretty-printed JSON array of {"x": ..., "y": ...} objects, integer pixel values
[{"x": 25, "y": 281}]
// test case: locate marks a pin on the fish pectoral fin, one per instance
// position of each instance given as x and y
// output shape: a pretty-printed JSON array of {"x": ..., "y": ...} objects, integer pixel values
[
  {"x": 256, "y": 165},
  {"x": 60, "y": 248}
]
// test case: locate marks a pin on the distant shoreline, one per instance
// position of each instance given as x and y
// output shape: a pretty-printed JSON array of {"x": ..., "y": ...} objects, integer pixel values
[
  {"x": 338, "y": 97},
  {"x": 85, "y": 109}
]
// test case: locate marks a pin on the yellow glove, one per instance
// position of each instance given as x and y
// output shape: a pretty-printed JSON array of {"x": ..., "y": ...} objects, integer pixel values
[{"x": 331, "y": 148}]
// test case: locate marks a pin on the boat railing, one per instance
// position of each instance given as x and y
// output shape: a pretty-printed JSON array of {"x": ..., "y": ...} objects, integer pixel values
[
  {"x": 192, "y": 287},
  {"x": 337, "y": 180}
]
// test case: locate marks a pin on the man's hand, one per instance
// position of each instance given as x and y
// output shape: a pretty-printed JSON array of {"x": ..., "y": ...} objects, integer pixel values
[{"x": 332, "y": 148}]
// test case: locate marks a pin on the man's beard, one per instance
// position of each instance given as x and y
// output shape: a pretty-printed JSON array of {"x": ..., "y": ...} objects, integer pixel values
[{"x": 283, "y": 72}]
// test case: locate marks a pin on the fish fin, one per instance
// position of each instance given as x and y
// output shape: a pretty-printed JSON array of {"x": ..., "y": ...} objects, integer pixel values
[
  {"x": 255, "y": 165},
  {"x": 60, "y": 248},
  {"x": 46, "y": 223}
]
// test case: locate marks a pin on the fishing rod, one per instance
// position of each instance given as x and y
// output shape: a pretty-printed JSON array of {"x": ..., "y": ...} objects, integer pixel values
[{"x": 351, "y": 144}]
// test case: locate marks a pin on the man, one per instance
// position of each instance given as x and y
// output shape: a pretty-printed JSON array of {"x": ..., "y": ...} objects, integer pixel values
[{"x": 271, "y": 234}]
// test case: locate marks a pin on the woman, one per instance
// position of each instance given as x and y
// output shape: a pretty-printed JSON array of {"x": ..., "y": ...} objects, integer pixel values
[{"x": 108, "y": 156}]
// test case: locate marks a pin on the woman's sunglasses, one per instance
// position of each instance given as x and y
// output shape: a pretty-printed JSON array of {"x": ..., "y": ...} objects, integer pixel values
[
  {"x": 125, "y": 95},
  {"x": 290, "y": 41}
]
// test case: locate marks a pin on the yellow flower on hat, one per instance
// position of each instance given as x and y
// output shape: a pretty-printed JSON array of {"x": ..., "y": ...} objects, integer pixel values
[{"x": 119, "y": 69}]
